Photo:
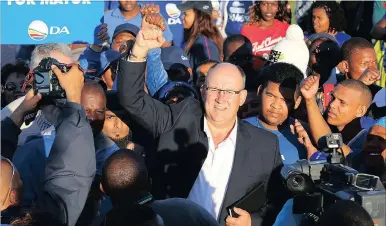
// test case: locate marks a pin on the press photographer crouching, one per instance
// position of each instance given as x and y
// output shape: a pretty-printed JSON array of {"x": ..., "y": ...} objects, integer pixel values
[
  {"x": 69, "y": 172},
  {"x": 317, "y": 186}
]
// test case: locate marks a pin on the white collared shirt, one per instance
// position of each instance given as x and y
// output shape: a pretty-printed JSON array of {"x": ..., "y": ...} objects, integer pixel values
[{"x": 211, "y": 184}]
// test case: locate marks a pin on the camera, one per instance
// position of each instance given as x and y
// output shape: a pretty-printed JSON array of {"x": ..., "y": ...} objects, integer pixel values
[
  {"x": 46, "y": 82},
  {"x": 317, "y": 185}
]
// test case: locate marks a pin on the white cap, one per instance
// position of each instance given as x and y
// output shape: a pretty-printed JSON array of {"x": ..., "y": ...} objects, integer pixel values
[{"x": 292, "y": 49}]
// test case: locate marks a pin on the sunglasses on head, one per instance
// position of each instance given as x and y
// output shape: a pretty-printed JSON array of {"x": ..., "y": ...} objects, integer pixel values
[{"x": 12, "y": 176}]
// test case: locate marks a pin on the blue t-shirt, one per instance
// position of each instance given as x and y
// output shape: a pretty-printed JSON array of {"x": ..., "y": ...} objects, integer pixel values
[
  {"x": 202, "y": 49},
  {"x": 237, "y": 15},
  {"x": 290, "y": 148},
  {"x": 111, "y": 4},
  {"x": 113, "y": 18},
  {"x": 341, "y": 37}
]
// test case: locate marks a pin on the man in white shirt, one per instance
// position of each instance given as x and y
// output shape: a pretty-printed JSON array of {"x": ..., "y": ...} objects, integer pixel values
[{"x": 203, "y": 152}]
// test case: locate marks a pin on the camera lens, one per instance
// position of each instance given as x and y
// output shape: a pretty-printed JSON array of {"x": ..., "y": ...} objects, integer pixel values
[{"x": 299, "y": 183}]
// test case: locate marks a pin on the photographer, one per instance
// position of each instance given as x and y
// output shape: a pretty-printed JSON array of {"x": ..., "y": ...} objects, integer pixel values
[
  {"x": 69, "y": 171},
  {"x": 48, "y": 113}
]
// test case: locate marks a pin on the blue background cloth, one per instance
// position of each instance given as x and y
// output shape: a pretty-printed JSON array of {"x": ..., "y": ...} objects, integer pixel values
[{"x": 81, "y": 25}]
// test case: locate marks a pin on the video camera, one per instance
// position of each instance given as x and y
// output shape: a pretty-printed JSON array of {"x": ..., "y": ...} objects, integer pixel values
[
  {"x": 45, "y": 81},
  {"x": 317, "y": 185}
]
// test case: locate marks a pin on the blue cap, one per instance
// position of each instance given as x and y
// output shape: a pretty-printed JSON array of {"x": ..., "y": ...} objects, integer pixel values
[
  {"x": 127, "y": 27},
  {"x": 96, "y": 63},
  {"x": 174, "y": 55},
  {"x": 203, "y": 6},
  {"x": 381, "y": 122}
]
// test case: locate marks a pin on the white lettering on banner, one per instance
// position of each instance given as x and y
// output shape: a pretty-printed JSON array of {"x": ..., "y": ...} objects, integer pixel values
[
  {"x": 172, "y": 21},
  {"x": 50, "y": 2},
  {"x": 265, "y": 45},
  {"x": 57, "y": 30},
  {"x": 21, "y": 2}
]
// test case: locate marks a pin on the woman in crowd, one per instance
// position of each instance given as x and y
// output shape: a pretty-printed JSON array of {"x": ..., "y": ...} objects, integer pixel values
[
  {"x": 328, "y": 17},
  {"x": 202, "y": 39},
  {"x": 12, "y": 79},
  {"x": 267, "y": 25}
]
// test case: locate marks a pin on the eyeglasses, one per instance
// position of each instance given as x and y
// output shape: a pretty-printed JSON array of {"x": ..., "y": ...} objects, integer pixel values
[
  {"x": 11, "y": 181},
  {"x": 226, "y": 93}
]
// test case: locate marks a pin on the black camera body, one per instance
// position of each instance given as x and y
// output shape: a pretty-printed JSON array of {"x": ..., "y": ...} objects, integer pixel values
[
  {"x": 46, "y": 82},
  {"x": 317, "y": 185}
]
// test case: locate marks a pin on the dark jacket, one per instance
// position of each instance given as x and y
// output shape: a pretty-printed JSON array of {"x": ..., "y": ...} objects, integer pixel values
[
  {"x": 178, "y": 212},
  {"x": 174, "y": 212},
  {"x": 183, "y": 145},
  {"x": 70, "y": 167}
]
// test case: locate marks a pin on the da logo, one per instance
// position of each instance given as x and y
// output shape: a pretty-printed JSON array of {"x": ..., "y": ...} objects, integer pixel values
[
  {"x": 174, "y": 14},
  {"x": 38, "y": 30},
  {"x": 172, "y": 10}
]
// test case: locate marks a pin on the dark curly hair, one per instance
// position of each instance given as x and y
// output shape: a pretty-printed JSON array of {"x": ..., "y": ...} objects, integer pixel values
[
  {"x": 281, "y": 15},
  {"x": 20, "y": 67},
  {"x": 334, "y": 13}
]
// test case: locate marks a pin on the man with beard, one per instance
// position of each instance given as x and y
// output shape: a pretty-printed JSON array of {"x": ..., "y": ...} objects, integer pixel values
[
  {"x": 117, "y": 130},
  {"x": 350, "y": 101}
]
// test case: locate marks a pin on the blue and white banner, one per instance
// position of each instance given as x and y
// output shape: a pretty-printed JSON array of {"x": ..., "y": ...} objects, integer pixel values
[{"x": 42, "y": 21}]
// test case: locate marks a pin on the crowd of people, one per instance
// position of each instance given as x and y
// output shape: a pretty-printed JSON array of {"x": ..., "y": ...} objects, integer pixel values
[{"x": 154, "y": 133}]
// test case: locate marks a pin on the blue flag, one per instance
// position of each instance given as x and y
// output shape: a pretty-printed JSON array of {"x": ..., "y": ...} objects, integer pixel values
[{"x": 43, "y": 21}]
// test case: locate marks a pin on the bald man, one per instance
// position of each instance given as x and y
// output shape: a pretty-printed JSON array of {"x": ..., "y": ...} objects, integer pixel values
[
  {"x": 11, "y": 185},
  {"x": 350, "y": 101},
  {"x": 204, "y": 153},
  {"x": 94, "y": 102}
]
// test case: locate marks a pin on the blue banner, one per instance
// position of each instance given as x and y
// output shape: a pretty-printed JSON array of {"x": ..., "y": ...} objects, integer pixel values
[{"x": 43, "y": 21}]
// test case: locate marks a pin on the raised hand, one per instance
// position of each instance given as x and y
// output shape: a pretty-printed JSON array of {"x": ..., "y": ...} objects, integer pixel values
[
  {"x": 309, "y": 87},
  {"x": 370, "y": 75},
  {"x": 149, "y": 8},
  {"x": 149, "y": 37},
  {"x": 298, "y": 130},
  {"x": 151, "y": 17},
  {"x": 156, "y": 20},
  {"x": 103, "y": 33}
]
